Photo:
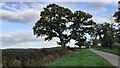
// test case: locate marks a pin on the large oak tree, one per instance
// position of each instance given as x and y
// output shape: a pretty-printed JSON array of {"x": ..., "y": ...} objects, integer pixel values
[{"x": 53, "y": 23}]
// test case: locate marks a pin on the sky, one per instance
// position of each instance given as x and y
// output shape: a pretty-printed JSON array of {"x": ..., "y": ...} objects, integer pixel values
[{"x": 18, "y": 18}]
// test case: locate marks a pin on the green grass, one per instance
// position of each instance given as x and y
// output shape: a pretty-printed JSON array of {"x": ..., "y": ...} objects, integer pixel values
[
  {"x": 83, "y": 58},
  {"x": 113, "y": 50}
]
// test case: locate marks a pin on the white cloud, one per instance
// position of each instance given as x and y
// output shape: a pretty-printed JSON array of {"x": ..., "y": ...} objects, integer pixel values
[
  {"x": 25, "y": 13},
  {"x": 24, "y": 16},
  {"x": 101, "y": 20},
  {"x": 37, "y": 6},
  {"x": 25, "y": 40},
  {"x": 4, "y": 5},
  {"x": 59, "y": 0},
  {"x": 18, "y": 37},
  {"x": 29, "y": 13},
  {"x": 109, "y": 3}
]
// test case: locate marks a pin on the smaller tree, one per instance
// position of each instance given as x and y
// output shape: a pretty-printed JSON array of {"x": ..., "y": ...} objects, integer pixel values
[
  {"x": 117, "y": 20},
  {"x": 105, "y": 32},
  {"x": 82, "y": 23}
]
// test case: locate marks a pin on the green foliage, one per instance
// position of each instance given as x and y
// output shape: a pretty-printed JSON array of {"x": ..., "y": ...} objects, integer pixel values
[
  {"x": 118, "y": 34},
  {"x": 117, "y": 14},
  {"x": 106, "y": 34},
  {"x": 53, "y": 22},
  {"x": 82, "y": 23},
  {"x": 117, "y": 20}
]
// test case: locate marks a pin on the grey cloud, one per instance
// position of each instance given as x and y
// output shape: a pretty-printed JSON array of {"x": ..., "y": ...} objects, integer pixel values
[
  {"x": 101, "y": 19},
  {"x": 28, "y": 40},
  {"x": 19, "y": 40},
  {"x": 20, "y": 37},
  {"x": 23, "y": 14},
  {"x": 59, "y": 1},
  {"x": 28, "y": 13}
]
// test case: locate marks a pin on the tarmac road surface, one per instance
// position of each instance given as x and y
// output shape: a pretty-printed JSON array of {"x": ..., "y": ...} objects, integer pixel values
[{"x": 111, "y": 58}]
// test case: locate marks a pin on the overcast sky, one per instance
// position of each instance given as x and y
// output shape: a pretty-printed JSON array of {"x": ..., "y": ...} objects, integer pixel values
[{"x": 18, "y": 19}]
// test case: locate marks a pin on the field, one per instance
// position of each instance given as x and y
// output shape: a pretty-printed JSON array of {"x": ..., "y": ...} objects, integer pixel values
[
  {"x": 31, "y": 57},
  {"x": 83, "y": 58}
]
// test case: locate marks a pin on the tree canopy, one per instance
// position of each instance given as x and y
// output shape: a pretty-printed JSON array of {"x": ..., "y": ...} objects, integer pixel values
[
  {"x": 54, "y": 20},
  {"x": 117, "y": 14},
  {"x": 117, "y": 20},
  {"x": 82, "y": 23},
  {"x": 53, "y": 23}
]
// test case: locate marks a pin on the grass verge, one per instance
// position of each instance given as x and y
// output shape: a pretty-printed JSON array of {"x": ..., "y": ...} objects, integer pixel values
[
  {"x": 84, "y": 57},
  {"x": 113, "y": 50}
]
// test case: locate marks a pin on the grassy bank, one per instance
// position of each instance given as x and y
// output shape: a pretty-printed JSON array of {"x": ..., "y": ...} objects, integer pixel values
[
  {"x": 113, "y": 51},
  {"x": 83, "y": 58}
]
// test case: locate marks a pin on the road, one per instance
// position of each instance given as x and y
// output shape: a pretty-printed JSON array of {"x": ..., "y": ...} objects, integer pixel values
[{"x": 111, "y": 58}]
